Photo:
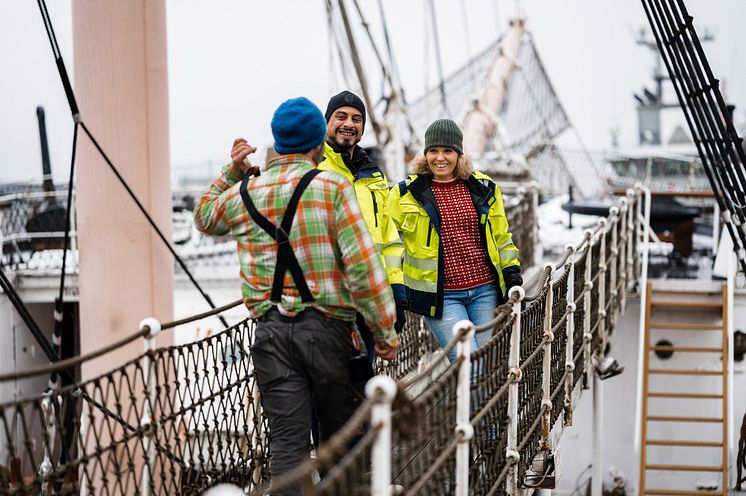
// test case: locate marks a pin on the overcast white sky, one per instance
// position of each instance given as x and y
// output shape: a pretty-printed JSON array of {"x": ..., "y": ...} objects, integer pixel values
[{"x": 231, "y": 62}]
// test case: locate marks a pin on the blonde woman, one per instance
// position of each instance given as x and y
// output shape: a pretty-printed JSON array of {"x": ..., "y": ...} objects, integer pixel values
[{"x": 459, "y": 257}]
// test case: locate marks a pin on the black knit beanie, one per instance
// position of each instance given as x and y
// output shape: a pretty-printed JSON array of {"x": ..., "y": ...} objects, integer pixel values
[
  {"x": 344, "y": 99},
  {"x": 444, "y": 133}
]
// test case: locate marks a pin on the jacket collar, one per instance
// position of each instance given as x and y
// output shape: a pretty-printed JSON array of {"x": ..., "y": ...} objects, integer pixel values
[{"x": 359, "y": 163}]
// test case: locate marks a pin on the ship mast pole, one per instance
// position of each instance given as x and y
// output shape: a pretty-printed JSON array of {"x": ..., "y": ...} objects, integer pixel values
[
  {"x": 480, "y": 122},
  {"x": 126, "y": 272},
  {"x": 360, "y": 73}
]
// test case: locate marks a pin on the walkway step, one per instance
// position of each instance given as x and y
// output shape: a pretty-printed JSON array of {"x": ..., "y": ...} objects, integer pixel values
[
  {"x": 689, "y": 305},
  {"x": 688, "y": 349},
  {"x": 697, "y": 396},
  {"x": 685, "y": 326},
  {"x": 663, "y": 418},
  {"x": 686, "y": 468},
  {"x": 677, "y": 492},
  {"x": 685, "y": 372},
  {"x": 671, "y": 442}
]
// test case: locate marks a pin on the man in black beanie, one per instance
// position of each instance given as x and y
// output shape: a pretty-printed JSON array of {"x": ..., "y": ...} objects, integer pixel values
[{"x": 345, "y": 123}]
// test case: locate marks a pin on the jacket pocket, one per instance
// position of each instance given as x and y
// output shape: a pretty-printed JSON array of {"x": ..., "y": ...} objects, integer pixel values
[{"x": 375, "y": 208}]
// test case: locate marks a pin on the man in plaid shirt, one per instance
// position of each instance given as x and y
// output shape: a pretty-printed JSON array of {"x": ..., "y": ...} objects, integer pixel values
[{"x": 302, "y": 345}]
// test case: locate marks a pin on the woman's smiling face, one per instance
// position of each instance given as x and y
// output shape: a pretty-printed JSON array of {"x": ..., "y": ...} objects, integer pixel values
[{"x": 442, "y": 162}]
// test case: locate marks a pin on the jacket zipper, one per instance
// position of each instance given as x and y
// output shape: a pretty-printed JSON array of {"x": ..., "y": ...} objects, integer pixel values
[
  {"x": 429, "y": 234},
  {"x": 375, "y": 208}
]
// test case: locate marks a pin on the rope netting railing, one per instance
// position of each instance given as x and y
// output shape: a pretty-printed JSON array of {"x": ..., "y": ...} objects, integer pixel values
[
  {"x": 175, "y": 420},
  {"x": 179, "y": 419}
]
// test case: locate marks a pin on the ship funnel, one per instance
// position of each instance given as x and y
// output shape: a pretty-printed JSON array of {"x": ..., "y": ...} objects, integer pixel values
[{"x": 46, "y": 167}]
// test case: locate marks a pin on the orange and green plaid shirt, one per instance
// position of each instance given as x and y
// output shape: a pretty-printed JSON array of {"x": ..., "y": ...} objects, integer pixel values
[{"x": 329, "y": 238}]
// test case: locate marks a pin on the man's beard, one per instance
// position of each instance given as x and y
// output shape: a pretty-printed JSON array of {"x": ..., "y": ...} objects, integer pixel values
[{"x": 344, "y": 142}]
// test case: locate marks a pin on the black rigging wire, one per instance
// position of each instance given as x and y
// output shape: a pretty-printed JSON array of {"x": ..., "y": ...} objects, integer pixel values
[
  {"x": 438, "y": 61},
  {"x": 59, "y": 301},
  {"x": 390, "y": 52},
  {"x": 76, "y": 117},
  {"x": 334, "y": 39},
  {"x": 58, "y": 59},
  {"x": 149, "y": 219}
]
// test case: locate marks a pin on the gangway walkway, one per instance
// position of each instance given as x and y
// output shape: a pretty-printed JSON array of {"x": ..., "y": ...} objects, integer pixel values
[{"x": 179, "y": 419}]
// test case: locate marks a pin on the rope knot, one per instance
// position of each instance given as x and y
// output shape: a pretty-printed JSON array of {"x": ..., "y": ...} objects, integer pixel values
[{"x": 515, "y": 374}]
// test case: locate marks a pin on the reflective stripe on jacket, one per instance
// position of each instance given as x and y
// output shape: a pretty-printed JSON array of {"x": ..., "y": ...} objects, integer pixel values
[
  {"x": 414, "y": 211},
  {"x": 372, "y": 191}
]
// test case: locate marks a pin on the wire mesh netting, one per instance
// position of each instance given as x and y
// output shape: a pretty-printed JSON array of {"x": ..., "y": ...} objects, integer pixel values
[{"x": 31, "y": 221}]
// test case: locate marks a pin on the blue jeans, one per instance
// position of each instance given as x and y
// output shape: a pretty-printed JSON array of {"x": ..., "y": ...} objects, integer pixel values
[{"x": 475, "y": 304}]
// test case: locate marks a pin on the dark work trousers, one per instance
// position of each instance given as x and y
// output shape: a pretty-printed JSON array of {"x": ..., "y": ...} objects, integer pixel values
[
  {"x": 302, "y": 362},
  {"x": 361, "y": 370}
]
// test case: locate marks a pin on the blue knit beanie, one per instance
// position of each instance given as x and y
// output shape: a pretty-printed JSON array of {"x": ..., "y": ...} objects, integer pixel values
[{"x": 297, "y": 126}]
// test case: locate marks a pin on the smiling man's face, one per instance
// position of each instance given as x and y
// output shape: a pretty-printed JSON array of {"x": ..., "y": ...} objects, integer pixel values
[{"x": 345, "y": 127}]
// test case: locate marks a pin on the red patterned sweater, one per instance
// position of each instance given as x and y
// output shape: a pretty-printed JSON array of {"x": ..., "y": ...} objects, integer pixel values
[{"x": 465, "y": 258}]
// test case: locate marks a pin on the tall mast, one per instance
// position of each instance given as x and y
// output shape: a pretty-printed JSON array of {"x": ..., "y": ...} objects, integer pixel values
[
  {"x": 360, "y": 73},
  {"x": 480, "y": 123}
]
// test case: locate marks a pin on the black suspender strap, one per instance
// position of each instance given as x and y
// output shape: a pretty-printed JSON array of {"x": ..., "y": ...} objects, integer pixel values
[{"x": 286, "y": 259}]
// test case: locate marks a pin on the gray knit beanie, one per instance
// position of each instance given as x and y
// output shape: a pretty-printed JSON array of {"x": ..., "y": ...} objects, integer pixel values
[{"x": 444, "y": 133}]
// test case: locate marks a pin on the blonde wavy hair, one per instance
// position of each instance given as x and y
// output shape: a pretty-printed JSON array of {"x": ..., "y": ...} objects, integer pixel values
[{"x": 463, "y": 170}]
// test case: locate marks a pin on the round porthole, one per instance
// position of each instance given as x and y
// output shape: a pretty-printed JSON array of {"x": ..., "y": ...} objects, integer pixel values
[{"x": 664, "y": 354}]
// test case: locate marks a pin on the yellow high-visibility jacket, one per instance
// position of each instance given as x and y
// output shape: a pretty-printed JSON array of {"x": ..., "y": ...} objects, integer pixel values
[
  {"x": 372, "y": 191},
  {"x": 414, "y": 211}
]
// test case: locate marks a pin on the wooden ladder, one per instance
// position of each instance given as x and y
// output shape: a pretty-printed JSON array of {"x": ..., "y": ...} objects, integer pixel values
[{"x": 685, "y": 303}]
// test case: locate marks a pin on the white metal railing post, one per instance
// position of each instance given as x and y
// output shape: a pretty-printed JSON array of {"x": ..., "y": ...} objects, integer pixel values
[
  {"x": 598, "y": 424},
  {"x": 631, "y": 235},
  {"x": 74, "y": 258},
  {"x": 570, "y": 330},
  {"x": 465, "y": 330},
  {"x": 383, "y": 389},
  {"x": 587, "y": 287},
  {"x": 613, "y": 263},
  {"x": 82, "y": 477},
  {"x": 48, "y": 415},
  {"x": 153, "y": 327},
  {"x": 642, "y": 284},
  {"x": 546, "y": 373},
  {"x": 514, "y": 372},
  {"x": 602, "y": 267}
]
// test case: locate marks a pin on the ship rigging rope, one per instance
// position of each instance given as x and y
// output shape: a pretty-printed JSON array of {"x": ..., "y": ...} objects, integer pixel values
[
  {"x": 438, "y": 60},
  {"x": 335, "y": 43},
  {"x": 76, "y": 117},
  {"x": 59, "y": 306},
  {"x": 390, "y": 52}
]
